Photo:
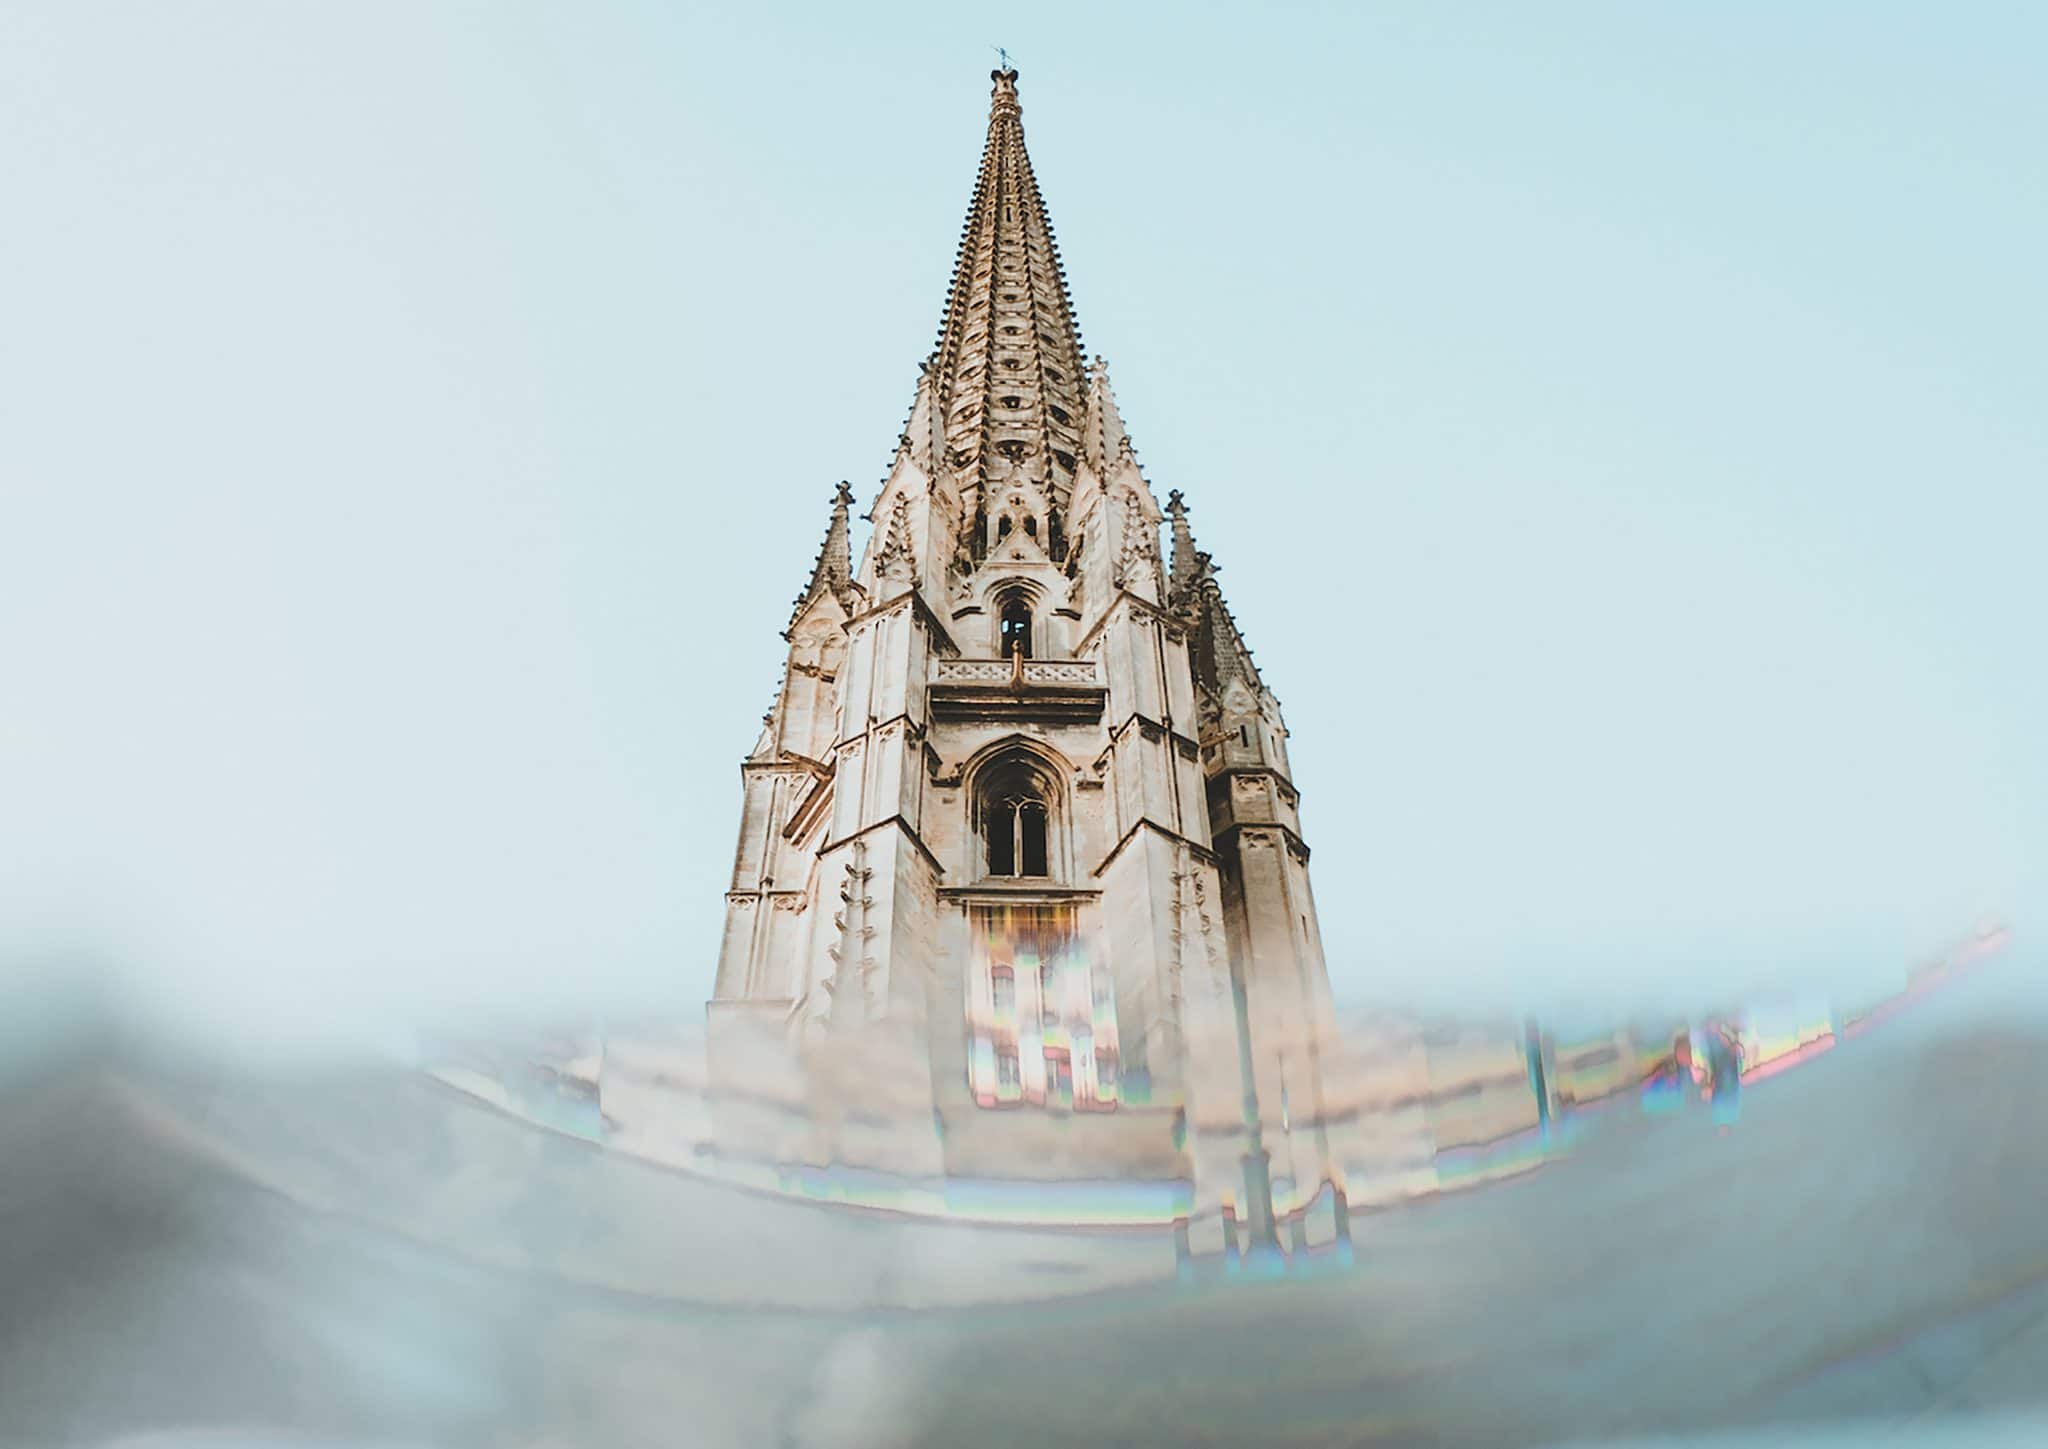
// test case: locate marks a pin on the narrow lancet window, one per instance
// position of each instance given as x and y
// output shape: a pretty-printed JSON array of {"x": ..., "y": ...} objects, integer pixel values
[
  {"x": 1016, "y": 836},
  {"x": 1016, "y": 637},
  {"x": 1031, "y": 838},
  {"x": 1002, "y": 839}
]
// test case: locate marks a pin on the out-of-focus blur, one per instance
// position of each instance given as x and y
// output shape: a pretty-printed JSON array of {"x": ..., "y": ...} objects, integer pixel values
[
  {"x": 540, "y": 1240},
  {"x": 481, "y": 962}
]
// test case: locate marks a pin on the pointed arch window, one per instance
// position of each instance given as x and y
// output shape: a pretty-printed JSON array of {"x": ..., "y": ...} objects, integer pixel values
[
  {"x": 1016, "y": 827},
  {"x": 1015, "y": 803},
  {"x": 1016, "y": 625}
]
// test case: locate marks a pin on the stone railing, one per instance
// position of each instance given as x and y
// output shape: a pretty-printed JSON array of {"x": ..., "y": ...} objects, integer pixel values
[{"x": 1036, "y": 671}]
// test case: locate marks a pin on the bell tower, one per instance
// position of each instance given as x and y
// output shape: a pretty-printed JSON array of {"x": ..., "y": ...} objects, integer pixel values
[{"x": 1020, "y": 894}]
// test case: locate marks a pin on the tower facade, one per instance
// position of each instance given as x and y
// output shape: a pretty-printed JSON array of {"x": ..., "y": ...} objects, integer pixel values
[{"x": 1021, "y": 893}]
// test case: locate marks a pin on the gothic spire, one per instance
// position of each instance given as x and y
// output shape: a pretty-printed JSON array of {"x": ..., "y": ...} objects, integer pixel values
[
  {"x": 1220, "y": 653},
  {"x": 833, "y": 571},
  {"x": 1184, "y": 568},
  {"x": 1010, "y": 381},
  {"x": 1104, "y": 438}
]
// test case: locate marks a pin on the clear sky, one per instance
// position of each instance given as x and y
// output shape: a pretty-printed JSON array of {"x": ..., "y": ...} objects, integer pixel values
[{"x": 1621, "y": 428}]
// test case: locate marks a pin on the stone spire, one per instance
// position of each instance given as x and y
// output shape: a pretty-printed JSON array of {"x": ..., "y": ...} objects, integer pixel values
[
  {"x": 1220, "y": 653},
  {"x": 1010, "y": 383},
  {"x": 1103, "y": 437},
  {"x": 1185, "y": 568},
  {"x": 833, "y": 571}
]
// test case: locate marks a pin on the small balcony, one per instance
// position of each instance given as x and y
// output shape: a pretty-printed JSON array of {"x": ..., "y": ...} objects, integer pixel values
[{"x": 1047, "y": 689}]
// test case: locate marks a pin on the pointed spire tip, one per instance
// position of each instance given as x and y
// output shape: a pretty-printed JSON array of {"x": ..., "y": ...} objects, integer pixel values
[{"x": 1004, "y": 96}]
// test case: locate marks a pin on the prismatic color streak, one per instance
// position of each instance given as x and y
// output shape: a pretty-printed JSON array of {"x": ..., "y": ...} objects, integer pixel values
[{"x": 1041, "y": 1023}]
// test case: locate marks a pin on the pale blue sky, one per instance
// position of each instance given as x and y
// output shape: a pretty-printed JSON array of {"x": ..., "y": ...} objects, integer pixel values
[{"x": 1621, "y": 428}]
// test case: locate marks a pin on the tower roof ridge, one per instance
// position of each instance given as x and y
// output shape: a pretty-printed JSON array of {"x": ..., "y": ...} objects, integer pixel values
[{"x": 1010, "y": 372}]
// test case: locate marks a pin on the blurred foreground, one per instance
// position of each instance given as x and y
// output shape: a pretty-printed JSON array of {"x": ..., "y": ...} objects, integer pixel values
[{"x": 370, "y": 1256}]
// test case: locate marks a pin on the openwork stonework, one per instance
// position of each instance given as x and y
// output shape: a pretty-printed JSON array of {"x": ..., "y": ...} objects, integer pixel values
[{"x": 999, "y": 671}]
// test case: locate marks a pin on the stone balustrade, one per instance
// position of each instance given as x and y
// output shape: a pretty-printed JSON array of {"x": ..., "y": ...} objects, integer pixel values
[{"x": 1037, "y": 672}]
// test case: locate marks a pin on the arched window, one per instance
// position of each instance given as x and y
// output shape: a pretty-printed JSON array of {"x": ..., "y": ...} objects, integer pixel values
[
  {"x": 1014, "y": 801},
  {"x": 1016, "y": 635},
  {"x": 1015, "y": 832}
]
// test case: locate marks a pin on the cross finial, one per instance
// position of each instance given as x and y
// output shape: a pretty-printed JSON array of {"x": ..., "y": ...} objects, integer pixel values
[{"x": 1002, "y": 56}]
